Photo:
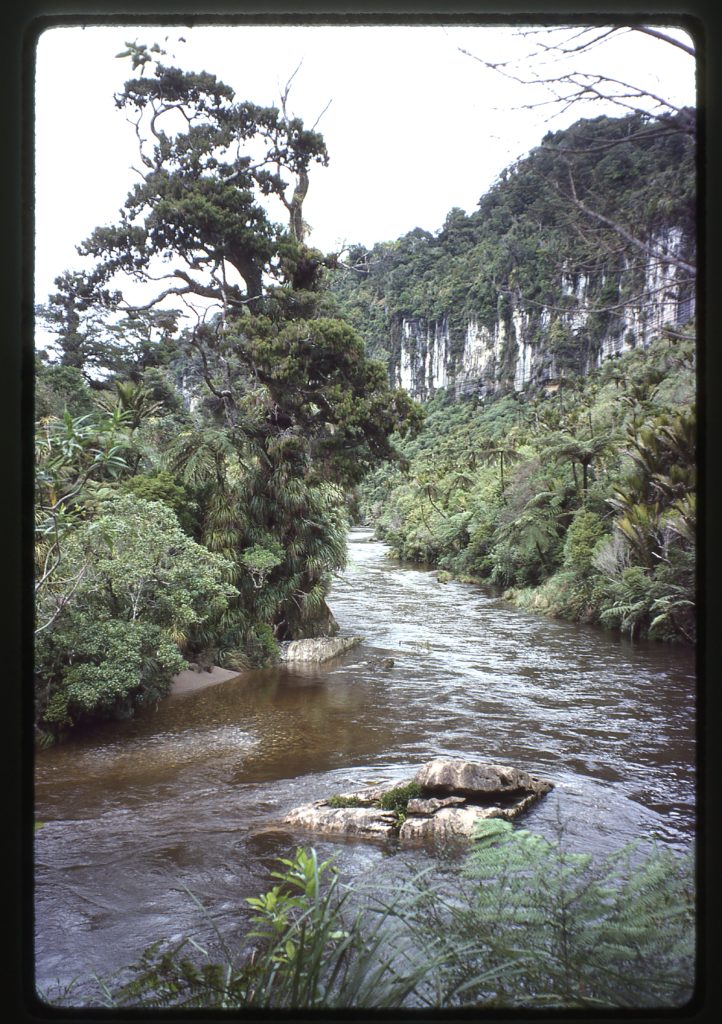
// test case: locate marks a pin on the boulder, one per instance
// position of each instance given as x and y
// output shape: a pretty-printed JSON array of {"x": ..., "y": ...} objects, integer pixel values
[
  {"x": 371, "y": 794},
  {"x": 318, "y": 649},
  {"x": 455, "y": 796},
  {"x": 349, "y": 821},
  {"x": 444, "y": 777},
  {"x": 448, "y": 822},
  {"x": 433, "y": 804}
]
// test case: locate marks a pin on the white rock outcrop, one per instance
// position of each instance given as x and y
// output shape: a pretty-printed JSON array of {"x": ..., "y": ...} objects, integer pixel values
[
  {"x": 516, "y": 348},
  {"x": 448, "y": 799}
]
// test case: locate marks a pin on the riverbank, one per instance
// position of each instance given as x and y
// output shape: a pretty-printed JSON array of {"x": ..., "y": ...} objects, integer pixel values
[{"x": 198, "y": 678}]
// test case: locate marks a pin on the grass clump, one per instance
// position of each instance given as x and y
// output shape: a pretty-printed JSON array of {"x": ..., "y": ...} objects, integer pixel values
[
  {"x": 397, "y": 799},
  {"x": 345, "y": 801}
]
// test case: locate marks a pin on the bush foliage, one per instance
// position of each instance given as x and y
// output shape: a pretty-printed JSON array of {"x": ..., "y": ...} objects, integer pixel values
[{"x": 615, "y": 545}]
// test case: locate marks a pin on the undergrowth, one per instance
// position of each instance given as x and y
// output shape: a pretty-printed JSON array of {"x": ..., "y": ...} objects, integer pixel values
[{"x": 526, "y": 923}]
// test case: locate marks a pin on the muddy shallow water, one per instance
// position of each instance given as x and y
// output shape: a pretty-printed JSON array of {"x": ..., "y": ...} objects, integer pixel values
[{"x": 184, "y": 804}]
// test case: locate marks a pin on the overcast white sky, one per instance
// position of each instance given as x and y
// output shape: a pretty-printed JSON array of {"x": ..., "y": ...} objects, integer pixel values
[{"x": 414, "y": 127}]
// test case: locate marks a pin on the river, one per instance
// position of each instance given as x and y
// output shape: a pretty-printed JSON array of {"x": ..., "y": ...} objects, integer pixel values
[{"x": 146, "y": 817}]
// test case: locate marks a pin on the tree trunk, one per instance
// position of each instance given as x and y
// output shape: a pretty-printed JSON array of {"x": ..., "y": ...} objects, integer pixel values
[{"x": 252, "y": 275}]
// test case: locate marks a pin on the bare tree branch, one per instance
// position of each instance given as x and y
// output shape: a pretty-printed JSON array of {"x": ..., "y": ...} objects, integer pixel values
[
  {"x": 624, "y": 233},
  {"x": 569, "y": 87},
  {"x": 315, "y": 123},
  {"x": 665, "y": 38}
]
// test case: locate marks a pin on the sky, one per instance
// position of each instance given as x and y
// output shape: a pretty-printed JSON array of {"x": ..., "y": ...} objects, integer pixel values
[{"x": 413, "y": 126}]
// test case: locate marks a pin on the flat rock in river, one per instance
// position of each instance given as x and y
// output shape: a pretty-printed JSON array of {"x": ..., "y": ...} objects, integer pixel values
[
  {"x": 318, "y": 648},
  {"x": 444, "y": 777},
  {"x": 452, "y": 797},
  {"x": 349, "y": 821}
]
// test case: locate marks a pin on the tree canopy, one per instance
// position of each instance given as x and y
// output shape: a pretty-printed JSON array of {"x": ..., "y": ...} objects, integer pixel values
[{"x": 209, "y": 165}]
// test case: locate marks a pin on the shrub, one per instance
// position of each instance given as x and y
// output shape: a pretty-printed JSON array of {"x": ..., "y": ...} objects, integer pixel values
[
  {"x": 134, "y": 587},
  {"x": 161, "y": 486},
  {"x": 617, "y": 932},
  {"x": 585, "y": 532}
]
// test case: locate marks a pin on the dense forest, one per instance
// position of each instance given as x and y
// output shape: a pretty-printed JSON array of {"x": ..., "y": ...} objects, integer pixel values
[
  {"x": 195, "y": 479},
  {"x": 191, "y": 479}
]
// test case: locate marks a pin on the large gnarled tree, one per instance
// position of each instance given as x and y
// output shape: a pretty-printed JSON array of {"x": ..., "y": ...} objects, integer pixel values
[
  {"x": 199, "y": 217},
  {"x": 288, "y": 383}
]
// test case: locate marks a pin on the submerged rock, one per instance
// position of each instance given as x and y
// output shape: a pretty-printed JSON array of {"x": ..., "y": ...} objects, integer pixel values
[
  {"x": 449, "y": 797},
  {"x": 318, "y": 648}
]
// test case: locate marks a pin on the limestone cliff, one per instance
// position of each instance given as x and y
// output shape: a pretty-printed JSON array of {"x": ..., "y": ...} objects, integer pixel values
[
  {"x": 579, "y": 252},
  {"x": 540, "y": 345}
]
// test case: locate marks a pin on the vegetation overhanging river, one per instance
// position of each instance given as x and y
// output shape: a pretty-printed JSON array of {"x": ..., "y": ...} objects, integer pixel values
[{"x": 142, "y": 818}]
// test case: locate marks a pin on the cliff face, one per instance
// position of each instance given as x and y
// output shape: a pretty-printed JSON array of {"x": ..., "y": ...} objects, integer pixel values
[
  {"x": 527, "y": 345},
  {"x": 579, "y": 252}
]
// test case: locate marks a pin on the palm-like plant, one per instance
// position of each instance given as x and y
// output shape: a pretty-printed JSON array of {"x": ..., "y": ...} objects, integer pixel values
[
  {"x": 640, "y": 524},
  {"x": 579, "y": 452},
  {"x": 493, "y": 450},
  {"x": 133, "y": 400},
  {"x": 663, "y": 452}
]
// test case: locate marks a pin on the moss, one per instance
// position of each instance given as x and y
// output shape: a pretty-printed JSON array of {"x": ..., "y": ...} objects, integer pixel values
[
  {"x": 395, "y": 800},
  {"x": 345, "y": 801}
]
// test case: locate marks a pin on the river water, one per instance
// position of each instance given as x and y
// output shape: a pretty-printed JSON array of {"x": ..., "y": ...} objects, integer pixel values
[{"x": 145, "y": 819}]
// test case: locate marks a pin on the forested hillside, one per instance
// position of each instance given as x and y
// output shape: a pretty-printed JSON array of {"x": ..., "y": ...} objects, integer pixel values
[{"x": 581, "y": 250}]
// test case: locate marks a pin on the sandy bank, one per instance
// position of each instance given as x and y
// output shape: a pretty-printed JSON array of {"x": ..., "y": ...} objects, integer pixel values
[{"x": 197, "y": 679}]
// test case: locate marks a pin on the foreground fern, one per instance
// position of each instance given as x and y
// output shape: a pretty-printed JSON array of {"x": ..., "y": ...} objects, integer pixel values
[
  {"x": 526, "y": 924},
  {"x": 618, "y": 932}
]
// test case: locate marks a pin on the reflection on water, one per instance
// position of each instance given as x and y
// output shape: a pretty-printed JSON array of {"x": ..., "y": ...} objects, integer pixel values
[{"x": 188, "y": 797}]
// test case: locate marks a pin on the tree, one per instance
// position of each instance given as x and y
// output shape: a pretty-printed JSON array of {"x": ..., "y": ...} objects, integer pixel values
[
  {"x": 579, "y": 451},
  {"x": 94, "y": 339},
  {"x": 327, "y": 397},
  {"x": 492, "y": 450},
  {"x": 294, "y": 410},
  {"x": 141, "y": 584},
  {"x": 74, "y": 315},
  {"x": 209, "y": 166}
]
